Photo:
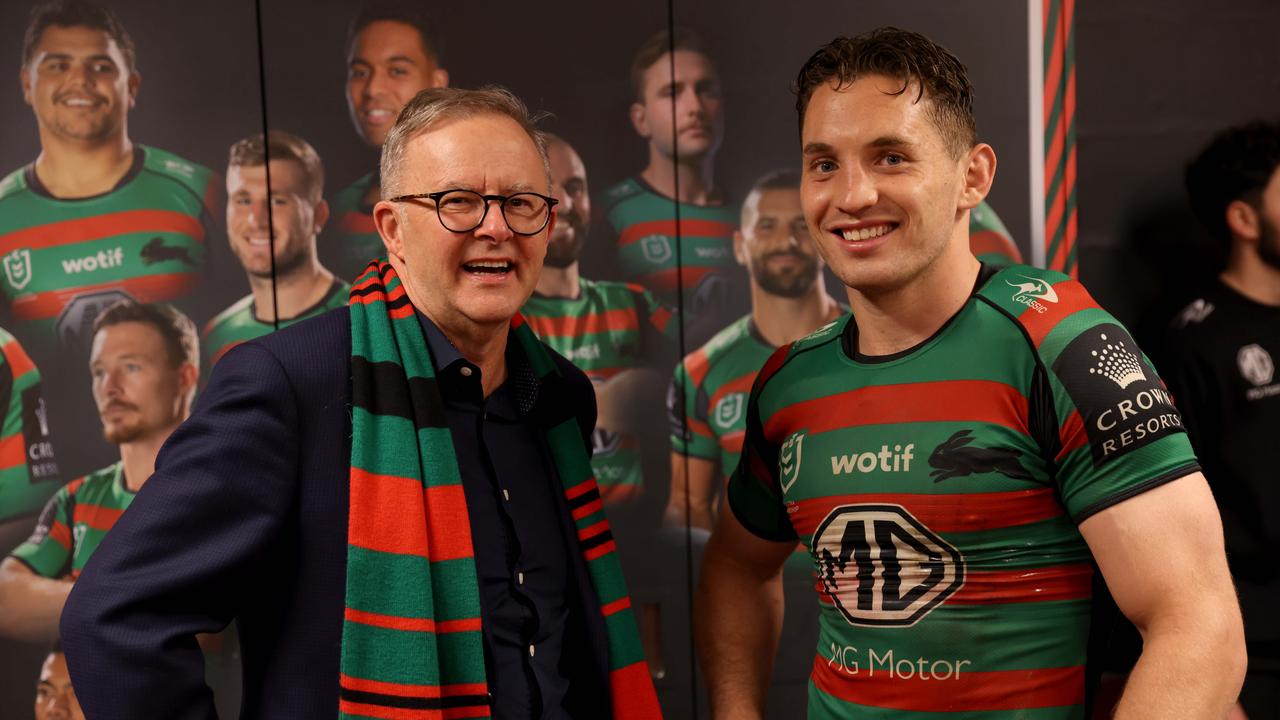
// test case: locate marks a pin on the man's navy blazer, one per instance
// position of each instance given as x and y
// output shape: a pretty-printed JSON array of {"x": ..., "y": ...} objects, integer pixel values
[{"x": 246, "y": 518}]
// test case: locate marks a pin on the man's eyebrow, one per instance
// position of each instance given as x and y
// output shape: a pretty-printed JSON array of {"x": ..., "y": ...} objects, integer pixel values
[
  {"x": 891, "y": 141},
  {"x": 403, "y": 59},
  {"x": 816, "y": 148}
]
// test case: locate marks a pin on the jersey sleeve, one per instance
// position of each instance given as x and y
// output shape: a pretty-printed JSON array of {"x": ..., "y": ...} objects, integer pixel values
[
  {"x": 659, "y": 327},
  {"x": 1120, "y": 432},
  {"x": 687, "y": 412},
  {"x": 48, "y": 551},
  {"x": 755, "y": 488}
]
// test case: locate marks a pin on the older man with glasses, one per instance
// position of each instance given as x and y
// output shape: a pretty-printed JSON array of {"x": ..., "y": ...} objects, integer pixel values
[{"x": 394, "y": 499}]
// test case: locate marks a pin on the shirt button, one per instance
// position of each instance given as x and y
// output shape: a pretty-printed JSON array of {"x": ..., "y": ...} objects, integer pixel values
[
  {"x": 530, "y": 651},
  {"x": 519, "y": 578},
  {"x": 506, "y": 495},
  {"x": 465, "y": 371}
]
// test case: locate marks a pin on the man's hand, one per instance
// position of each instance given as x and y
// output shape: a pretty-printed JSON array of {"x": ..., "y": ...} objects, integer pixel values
[
  {"x": 738, "y": 617},
  {"x": 30, "y": 605},
  {"x": 1162, "y": 556}
]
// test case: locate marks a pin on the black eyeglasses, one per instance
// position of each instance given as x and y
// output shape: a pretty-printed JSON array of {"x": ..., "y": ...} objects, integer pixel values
[{"x": 526, "y": 213}]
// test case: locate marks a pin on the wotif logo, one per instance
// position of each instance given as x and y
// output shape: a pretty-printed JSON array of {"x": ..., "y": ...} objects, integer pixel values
[
  {"x": 100, "y": 261},
  {"x": 896, "y": 460},
  {"x": 1032, "y": 291}
]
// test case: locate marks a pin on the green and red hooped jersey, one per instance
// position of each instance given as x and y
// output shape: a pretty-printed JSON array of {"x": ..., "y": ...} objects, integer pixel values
[
  {"x": 74, "y": 522},
  {"x": 352, "y": 240},
  {"x": 939, "y": 491},
  {"x": 707, "y": 400},
  {"x": 28, "y": 466},
  {"x": 989, "y": 239},
  {"x": 644, "y": 223},
  {"x": 610, "y": 327},
  {"x": 240, "y": 323},
  {"x": 66, "y": 260}
]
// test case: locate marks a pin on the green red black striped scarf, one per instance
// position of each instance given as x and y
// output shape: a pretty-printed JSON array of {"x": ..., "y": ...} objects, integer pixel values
[{"x": 411, "y": 640}]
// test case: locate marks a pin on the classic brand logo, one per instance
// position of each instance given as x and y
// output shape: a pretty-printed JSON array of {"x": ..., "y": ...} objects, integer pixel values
[
  {"x": 1119, "y": 397},
  {"x": 1256, "y": 365},
  {"x": 729, "y": 410},
  {"x": 882, "y": 566},
  {"x": 789, "y": 460},
  {"x": 1033, "y": 290},
  {"x": 17, "y": 268},
  {"x": 656, "y": 248}
]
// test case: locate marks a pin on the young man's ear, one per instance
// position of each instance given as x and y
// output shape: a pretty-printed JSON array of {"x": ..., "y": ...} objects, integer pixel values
[
  {"x": 1242, "y": 220},
  {"x": 387, "y": 220},
  {"x": 640, "y": 120},
  {"x": 978, "y": 176}
]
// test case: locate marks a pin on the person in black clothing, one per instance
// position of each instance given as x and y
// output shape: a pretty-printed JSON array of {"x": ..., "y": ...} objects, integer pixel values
[{"x": 1222, "y": 353}]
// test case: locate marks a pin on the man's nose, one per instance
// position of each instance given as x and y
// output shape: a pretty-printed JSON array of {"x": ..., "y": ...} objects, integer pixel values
[
  {"x": 494, "y": 226},
  {"x": 260, "y": 214},
  {"x": 860, "y": 190}
]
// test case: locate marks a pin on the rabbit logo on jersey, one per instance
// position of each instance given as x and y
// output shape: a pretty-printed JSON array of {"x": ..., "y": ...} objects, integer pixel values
[{"x": 881, "y": 566}]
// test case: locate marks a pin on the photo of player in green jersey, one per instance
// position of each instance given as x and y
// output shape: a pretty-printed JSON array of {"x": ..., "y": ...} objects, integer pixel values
[
  {"x": 144, "y": 365},
  {"x": 678, "y": 111},
  {"x": 392, "y": 55},
  {"x": 28, "y": 465},
  {"x": 708, "y": 395},
  {"x": 272, "y": 232},
  {"x": 611, "y": 330},
  {"x": 959, "y": 453},
  {"x": 96, "y": 217}
]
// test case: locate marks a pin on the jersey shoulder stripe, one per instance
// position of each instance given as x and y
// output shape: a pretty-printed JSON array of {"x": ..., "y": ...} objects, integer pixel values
[
  {"x": 232, "y": 313},
  {"x": 621, "y": 192},
  {"x": 1038, "y": 300},
  {"x": 195, "y": 178},
  {"x": 824, "y": 335},
  {"x": 12, "y": 184},
  {"x": 699, "y": 362}
]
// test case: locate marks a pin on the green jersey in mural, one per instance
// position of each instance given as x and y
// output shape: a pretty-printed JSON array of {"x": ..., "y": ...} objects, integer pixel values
[
  {"x": 939, "y": 491},
  {"x": 28, "y": 467},
  {"x": 240, "y": 322},
  {"x": 661, "y": 253},
  {"x": 66, "y": 260},
  {"x": 352, "y": 240},
  {"x": 603, "y": 331},
  {"x": 74, "y": 522}
]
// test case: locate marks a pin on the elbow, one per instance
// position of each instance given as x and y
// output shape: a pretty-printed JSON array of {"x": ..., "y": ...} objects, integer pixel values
[{"x": 1236, "y": 660}]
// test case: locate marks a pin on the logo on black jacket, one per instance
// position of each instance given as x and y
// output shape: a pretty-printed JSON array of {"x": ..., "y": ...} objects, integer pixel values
[
  {"x": 955, "y": 457},
  {"x": 156, "y": 251}
]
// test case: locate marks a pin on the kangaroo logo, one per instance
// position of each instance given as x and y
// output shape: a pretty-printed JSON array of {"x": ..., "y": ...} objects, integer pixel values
[
  {"x": 156, "y": 251},
  {"x": 1034, "y": 288},
  {"x": 955, "y": 458}
]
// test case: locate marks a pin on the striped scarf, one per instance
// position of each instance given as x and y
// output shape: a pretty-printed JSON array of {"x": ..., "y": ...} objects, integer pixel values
[{"x": 411, "y": 638}]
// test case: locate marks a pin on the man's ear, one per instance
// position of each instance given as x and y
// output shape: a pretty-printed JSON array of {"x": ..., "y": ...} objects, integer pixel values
[
  {"x": 439, "y": 78},
  {"x": 979, "y": 173},
  {"x": 24, "y": 79},
  {"x": 1243, "y": 221},
  {"x": 320, "y": 216},
  {"x": 386, "y": 217},
  {"x": 739, "y": 248},
  {"x": 135, "y": 82},
  {"x": 640, "y": 120}
]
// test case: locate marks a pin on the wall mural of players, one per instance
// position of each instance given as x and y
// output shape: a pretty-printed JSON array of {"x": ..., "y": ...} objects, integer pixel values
[
  {"x": 28, "y": 465},
  {"x": 272, "y": 232},
  {"x": 392, "y": 55}
]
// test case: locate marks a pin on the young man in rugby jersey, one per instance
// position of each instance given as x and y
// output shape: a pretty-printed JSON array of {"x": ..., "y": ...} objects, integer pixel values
[
  {"x": 959, "y": 452},
  {"x": 393, "y": 53},
  {"x": 28, "y": 466},
  {"x": 276, "y": 246},
  {"x": 96, "y": 217},
  {"x": 677, "y": 110},
  {"x": 708, "y": 396},
  {"x": 613, "y": 331},
  {"x": 144, "y": 367}
]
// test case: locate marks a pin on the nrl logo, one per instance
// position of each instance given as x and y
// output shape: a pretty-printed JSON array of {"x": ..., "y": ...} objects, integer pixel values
[
  {"x": 17, "y": 268},
  {"x": 789, "y": 460},
  {"x": 729, "y": 409},
  {"x": 1031, "y": 292},
  {"x": 656, "y": 248}
]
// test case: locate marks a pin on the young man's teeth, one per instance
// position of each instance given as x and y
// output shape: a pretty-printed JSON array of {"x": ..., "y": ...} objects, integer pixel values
[{"x": 866, "y": 233}]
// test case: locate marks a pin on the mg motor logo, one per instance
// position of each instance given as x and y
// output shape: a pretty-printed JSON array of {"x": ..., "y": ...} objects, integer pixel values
[
  {"x": 656, "y": 248},
  {"x": 883, "y": 567},
  {"x": 1255, "y": 364},
  {"x": 17, "y": 268}
]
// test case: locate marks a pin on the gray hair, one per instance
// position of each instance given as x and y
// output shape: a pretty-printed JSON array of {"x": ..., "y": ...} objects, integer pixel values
[{"x": 435, "y": 105}]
